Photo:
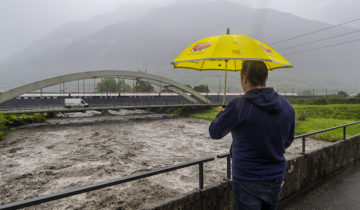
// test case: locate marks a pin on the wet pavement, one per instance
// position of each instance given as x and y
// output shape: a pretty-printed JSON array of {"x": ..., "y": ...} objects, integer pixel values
[{"x": 340, "y": 191}]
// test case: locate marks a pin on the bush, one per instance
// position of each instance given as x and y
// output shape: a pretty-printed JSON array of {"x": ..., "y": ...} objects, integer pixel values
[
  {"x": 7, "y": 122},
  {"x": 306, "y": 93},
  {"x": 342, "y": 94},
  {"x": 50, "y": 114},
  {"x": 319, "y": 101},
  {"x": 2, "y": 126}
]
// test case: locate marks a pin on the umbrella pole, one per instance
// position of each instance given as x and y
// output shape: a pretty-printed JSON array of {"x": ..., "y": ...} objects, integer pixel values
[{"x": 224, "y": 97}]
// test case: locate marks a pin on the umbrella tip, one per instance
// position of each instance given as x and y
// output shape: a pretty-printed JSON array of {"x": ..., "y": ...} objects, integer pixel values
[{"x": 228, "y": 31}]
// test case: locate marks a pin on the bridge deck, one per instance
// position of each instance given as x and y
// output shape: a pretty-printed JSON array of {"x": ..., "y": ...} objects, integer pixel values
[{"x": 105, "y": 108}]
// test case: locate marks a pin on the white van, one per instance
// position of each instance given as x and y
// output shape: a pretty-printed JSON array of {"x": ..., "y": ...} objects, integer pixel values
[{"x": 75, "y": 102}]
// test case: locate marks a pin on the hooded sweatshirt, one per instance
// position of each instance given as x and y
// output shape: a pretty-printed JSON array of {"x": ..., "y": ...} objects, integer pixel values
[{"x": 262, "y": 125}]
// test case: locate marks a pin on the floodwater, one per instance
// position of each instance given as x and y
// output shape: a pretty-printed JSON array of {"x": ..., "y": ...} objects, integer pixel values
[{"x": 78, "y": 149}]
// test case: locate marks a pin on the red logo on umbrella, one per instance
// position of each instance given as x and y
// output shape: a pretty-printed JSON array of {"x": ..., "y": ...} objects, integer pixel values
[
  {"x": 266, "y": 49},
  {"x": 201, "y": 46}
]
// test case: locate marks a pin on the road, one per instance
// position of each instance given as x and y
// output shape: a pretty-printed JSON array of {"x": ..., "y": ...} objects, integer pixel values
[{"x": 340, "y": 191}]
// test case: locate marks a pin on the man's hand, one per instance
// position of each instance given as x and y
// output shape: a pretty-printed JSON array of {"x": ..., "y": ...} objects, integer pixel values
[{"x": 221, "y": 109}]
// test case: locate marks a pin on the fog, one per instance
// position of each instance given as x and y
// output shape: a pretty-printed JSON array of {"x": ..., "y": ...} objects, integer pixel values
[
  {"x": 41, "y": 38},
  {"x": 24, "y": 21}
]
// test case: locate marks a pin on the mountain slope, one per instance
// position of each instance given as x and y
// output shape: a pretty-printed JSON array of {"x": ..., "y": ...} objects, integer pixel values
[{"x": 153, "y": 41}]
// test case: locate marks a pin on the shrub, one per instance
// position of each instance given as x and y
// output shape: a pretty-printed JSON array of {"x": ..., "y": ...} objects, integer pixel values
[
  {"x": 319, "y": 101},
  {"x": 7, "y": 122},
  {"x": 2, "y": 126},
  {"x": 342, "y": 94}
]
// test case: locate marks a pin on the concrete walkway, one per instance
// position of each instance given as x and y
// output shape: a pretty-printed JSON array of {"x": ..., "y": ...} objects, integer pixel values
[{"x": 340, "y": 191}]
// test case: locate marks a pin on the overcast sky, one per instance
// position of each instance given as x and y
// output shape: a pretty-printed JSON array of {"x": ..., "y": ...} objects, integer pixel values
[{"x": 23, "y": 21}]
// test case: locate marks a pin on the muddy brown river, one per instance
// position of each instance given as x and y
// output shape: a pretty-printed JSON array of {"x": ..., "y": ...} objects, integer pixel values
[{"x": 79, "y": 149}]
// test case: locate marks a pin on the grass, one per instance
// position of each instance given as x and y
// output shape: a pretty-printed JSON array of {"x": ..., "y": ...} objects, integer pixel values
[
  {"x": 333, "y": 111},
  {"x": 316, "y": 124},
  {"x": 318, "y": 117}
]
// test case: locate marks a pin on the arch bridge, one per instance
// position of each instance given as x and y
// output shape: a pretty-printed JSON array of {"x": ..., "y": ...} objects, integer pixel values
[{"x": 192, "y": 96}]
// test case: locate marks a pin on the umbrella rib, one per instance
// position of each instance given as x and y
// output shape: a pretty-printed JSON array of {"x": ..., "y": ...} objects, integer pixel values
[{"x": 202, "y": 64}]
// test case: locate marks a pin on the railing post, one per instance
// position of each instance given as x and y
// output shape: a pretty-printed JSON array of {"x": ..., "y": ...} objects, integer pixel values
[
  {"x": 201, "y": 176},
  {"x": 303, "y": 145},
  {"x": 344, "y": 133},
  {"x": 228, "y": 168}
]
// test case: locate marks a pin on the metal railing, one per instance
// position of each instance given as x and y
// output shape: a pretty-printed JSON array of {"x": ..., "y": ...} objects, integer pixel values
[
  {"x": 303, "y": 136},
  {"x": 79, "y": 190},
  {"x": 228, "y": 164}
]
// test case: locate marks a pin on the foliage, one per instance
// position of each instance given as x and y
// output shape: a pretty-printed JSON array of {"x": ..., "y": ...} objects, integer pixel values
[
  {"x": 123, "y": 87},
  {"x": 331, "y": 99},
  {"x": 306, "y": 93},
  {"x": 2, "y": 126},
  {"x": 202, "y": 88},
  {"x": 342, "y": 94},
  {"x": 318, "y": 101},
  {"x": 50, "y": 114},
  {"x": 7, "y": 122},
  {"x": 206, "y": 115},
  {"x": 142, "y": 86},
  {"x": 109, "y": 84},
  {"x": 23, "y": 119}
]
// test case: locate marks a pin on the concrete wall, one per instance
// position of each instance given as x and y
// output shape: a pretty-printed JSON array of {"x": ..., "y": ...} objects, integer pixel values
[
  {"x": 301, "y": 172},
  {"x": 308, "y": 169}
]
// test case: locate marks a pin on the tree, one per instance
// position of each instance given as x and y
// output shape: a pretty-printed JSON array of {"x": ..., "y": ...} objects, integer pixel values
[
  {"x": 142, "y": 86},
  {"x": 110, "y": 85},
  {"x": 123, "y": 87},
  {"x": 107, "y": 85},
  {"x": 202, "y": 88},
  {"x": 342, "y": 94},
  {"x": 306, "y": 93}
]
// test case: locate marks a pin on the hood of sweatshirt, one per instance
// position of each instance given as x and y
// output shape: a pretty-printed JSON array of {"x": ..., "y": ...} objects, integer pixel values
[{"x": 264, "y": 98}]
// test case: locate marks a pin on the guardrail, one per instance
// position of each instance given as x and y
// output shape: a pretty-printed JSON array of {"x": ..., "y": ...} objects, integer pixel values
[
  {"x": 200, "y": 163},
  {"x": 303, "y": 136}
]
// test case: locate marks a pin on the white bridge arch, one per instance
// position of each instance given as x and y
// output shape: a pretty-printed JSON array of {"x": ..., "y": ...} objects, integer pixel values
[{"x": 172, "y": 85}]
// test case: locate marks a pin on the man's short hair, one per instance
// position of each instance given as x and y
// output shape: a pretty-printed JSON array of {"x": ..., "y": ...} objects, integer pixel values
[{"x": 255, "y": 71}]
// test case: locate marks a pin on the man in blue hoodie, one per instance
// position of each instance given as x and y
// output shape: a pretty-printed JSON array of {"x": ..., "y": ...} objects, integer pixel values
[{"x": 262, "y": 126}]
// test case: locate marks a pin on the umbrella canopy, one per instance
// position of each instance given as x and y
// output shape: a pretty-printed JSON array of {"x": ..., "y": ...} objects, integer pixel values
[
  {"x": 227, "y": 52},
  {"x": 211, "y": 53}
]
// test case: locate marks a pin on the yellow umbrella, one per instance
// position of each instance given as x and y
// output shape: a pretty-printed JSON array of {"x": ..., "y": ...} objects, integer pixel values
[{"x": 227, "y": 52}]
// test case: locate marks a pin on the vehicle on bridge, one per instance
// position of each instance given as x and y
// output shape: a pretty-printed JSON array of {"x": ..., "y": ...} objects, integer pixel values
[{"x": 75, "y": 102}]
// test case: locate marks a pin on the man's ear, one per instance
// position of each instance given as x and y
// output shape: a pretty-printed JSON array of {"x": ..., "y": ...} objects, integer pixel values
[{"x": 245, "y": 80}]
